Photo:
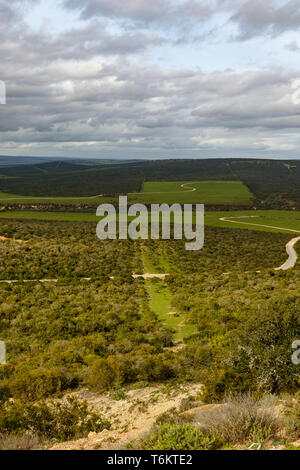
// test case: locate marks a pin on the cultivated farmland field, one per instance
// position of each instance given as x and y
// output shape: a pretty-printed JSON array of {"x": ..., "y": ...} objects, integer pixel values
[
  {"x": 185, "y": 192},
  {"x": 266, "y": 221}
]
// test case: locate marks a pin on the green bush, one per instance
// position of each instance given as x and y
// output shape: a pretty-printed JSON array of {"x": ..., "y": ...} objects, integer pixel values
[
  {"x": 292, "y": 412},
  {"x": 101, "y": 375},
  {"x": 240, "y": 419},
  {"x": 256, "y": 356},
  {"x": 36, "y": 384},
  {"x": 55, "y": 420},
  {"x": 180, "y": 437}
]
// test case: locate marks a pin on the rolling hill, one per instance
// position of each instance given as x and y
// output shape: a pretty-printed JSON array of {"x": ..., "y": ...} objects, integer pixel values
[{"x": 274, "y": 183}]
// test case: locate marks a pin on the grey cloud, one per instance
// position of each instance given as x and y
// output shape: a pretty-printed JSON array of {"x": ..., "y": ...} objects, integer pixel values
[
  {"x": 145, "y": 11},
  {"x": 293, "y": 46},
  {"x": 135, "y": 10},
  {"x": 79, "y": 88},
  {"x": 256, "y": 18},
  {"x": 251, "y": 17},
  {"x": 80, "y": 43},
  {"x": 125, "y": 100}
]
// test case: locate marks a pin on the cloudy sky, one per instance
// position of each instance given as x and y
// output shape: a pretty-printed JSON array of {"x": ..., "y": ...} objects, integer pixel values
[{"x": 150, "y": 78}]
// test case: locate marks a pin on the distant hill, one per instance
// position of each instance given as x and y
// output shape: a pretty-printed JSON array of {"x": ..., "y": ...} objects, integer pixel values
[
  {"x": 42, "y": 169},
  {"x": 69, "y": 179},
  {"x": 274, "y": 183},
  {"x": 9, "y": 160}
]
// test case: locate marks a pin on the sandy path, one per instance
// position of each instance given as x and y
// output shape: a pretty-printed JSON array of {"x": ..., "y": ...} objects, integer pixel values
[
  {"x": 292, "y": 259},
  {"x": 13, "y": 240},
  {"x": 135, "y": 276},
  {"x": 150, "y": 276}
]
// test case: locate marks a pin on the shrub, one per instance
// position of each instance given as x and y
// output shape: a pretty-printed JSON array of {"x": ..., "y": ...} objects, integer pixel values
[
  {"x": 57, "y": 420},
  {"x": 169, "y": 417},
  {"x": 27, "y": 441},
  {"x": 240, "y": 419},
  {"x": 180, "y": 437},
  {"x": 101, "y": 375},
  {"x": 37, "y": 384},
  {"x": 292, "y": 413},
  {"x": 256, "y": 356}
]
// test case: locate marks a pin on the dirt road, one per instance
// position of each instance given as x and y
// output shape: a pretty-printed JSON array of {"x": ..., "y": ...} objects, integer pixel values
[{"x": 292, "y": 259}]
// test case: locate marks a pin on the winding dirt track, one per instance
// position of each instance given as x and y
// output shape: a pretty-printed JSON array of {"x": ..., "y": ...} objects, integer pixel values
[
  {"x": 292, "y": 259},
  {"x": 191, "y": 189}
]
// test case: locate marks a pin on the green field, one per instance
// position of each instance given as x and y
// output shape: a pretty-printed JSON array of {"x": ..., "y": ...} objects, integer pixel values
[
  {"x": 277, "y": 221},
  {"x": 185, "y": 192},
  {"x": 282, "y": 219}
]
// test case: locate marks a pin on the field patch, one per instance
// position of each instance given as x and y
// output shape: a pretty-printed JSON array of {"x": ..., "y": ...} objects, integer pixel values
[
  {"x": 268, "y": 221},
  {"x": 185, "y": 192}
]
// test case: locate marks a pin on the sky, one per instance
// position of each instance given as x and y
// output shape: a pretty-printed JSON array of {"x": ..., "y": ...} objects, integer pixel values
[{"x": 150, "y": 79}]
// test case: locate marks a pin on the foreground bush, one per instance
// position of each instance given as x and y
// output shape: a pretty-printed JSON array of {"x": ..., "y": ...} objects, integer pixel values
[
  {"x": 180, "y": 437},
  {"x": 242, "y": 419},
  {"x": 292, "y": 413},
  {"x": 57, "y": 420},
  {"x": 27, "y": 441},
  {"x": 256, "y": 355}
]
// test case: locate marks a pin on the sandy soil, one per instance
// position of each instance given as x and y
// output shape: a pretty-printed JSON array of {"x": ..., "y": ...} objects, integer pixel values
[
  {"x": 292, "y": 259},
  {"x": 131, "y": 417},
  {"x": 13, "y": 240}
]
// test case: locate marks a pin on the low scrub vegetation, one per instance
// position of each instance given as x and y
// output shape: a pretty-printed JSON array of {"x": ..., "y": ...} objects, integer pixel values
[
  {"x": 242, "y": 419},
  {"x": 103, "y": 333},
  {"x": 237, "y": 423},
  {"x": 58, "y": 421},
  {"x": 179, "y": 437}
]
